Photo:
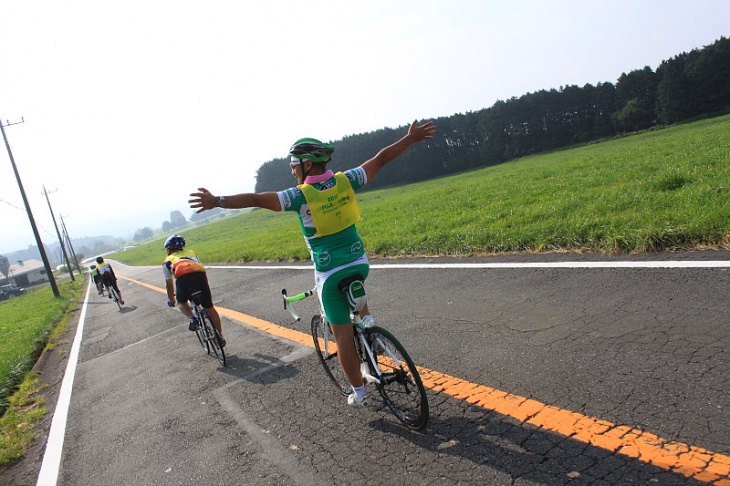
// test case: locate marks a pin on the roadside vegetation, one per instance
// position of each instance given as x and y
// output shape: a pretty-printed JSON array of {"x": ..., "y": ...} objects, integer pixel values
[
  {"x": 666, "y": 189},
  {"x": 30, "y": 324}
]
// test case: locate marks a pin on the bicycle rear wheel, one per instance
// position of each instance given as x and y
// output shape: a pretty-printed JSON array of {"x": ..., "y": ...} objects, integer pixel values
[
  {"x": 216, "y": 344},
  {"x": 115, "y": 296},
  {"x": 324, "y": 344},
  {"x": 400, "y": 384},
  {"x": 199, "y": 332},
  {"x": 213, "y": 338}
]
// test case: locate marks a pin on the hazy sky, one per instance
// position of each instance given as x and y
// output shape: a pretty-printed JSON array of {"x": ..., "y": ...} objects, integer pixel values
[{"x": 129, "y": 106}]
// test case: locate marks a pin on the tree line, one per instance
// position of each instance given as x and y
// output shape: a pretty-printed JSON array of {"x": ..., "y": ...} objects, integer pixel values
[{"x": 688, "y": 86}]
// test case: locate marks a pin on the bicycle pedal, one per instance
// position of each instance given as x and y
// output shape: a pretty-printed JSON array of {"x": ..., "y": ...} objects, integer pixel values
[{"x": 370, "y": 378}]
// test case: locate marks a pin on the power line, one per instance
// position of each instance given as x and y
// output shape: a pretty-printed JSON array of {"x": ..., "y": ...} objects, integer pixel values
[{"x": 13, "y": 205}]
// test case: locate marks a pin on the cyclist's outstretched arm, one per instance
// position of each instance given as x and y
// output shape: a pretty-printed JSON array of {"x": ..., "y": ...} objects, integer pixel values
[
  {"x": 204, "y": 200},
  {"x": 415, "y": 134}
]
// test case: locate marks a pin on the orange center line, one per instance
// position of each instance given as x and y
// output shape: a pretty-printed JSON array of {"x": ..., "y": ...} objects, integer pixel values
[{"x": 680, "y": 458}]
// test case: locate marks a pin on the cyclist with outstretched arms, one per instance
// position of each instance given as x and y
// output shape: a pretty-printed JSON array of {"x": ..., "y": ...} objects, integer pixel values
[{"x": 328, "y": 212}]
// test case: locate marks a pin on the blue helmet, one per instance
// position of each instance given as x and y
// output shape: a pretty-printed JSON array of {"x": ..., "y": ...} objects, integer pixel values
[{"x": 175, "y": 242}]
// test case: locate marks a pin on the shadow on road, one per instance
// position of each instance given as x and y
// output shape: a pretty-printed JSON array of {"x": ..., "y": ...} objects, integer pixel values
[
  {"x": 523, "y": 451},
  {"x": 256, "y": 370}
]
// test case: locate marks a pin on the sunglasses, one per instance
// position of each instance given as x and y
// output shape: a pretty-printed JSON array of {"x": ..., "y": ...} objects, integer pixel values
[{"x": 295, "y": 161}]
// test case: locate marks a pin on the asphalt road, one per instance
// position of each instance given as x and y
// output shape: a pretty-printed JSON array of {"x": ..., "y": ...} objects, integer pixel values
[{"x": 641, "y": 351}]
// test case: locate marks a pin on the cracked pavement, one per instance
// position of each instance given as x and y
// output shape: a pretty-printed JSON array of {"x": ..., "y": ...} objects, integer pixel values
[{"x": 644, "y": 350}]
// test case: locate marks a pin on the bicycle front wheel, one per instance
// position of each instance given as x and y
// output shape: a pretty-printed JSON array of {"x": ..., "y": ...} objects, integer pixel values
[
  {"x": 400, "y": 384},
  {"x": 324, "y": 344}
]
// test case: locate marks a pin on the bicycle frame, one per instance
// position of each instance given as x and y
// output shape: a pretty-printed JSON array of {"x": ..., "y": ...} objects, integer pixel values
[
  {"x": 384, "y": 362},
  {"x": 356, "y": 320}
]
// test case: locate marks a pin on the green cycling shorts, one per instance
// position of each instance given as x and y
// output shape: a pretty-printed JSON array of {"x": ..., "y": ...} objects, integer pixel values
[{"x": 333, "y": 301}]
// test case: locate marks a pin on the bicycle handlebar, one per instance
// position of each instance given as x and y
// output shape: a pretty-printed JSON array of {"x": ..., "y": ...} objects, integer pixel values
[{"x": 288, "y": 300}]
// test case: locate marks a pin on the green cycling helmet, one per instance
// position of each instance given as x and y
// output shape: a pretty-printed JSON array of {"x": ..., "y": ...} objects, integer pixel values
[{"x": 312, "y": 149}]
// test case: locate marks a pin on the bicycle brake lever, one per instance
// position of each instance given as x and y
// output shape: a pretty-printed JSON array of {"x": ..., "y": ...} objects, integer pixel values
[{"x": 288, "y": 306}]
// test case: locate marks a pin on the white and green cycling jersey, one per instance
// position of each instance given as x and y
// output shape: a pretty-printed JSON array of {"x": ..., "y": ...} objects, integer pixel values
[{"x": 331, "y": 251}]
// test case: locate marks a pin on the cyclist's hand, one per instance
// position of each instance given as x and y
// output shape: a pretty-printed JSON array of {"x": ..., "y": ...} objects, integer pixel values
[
  {"x": 170, "y": 304},
  {"x": 203, "y": 200},
  {"x": 422, "y": 132}
]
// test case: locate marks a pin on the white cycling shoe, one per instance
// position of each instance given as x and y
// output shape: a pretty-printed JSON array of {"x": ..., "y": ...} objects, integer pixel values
[{"x": 353, "y": 401}]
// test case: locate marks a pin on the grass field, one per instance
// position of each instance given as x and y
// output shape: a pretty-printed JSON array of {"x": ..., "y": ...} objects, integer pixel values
[
  {"x": 667, "y": 189},
  {"x": 28, "y": 325}
]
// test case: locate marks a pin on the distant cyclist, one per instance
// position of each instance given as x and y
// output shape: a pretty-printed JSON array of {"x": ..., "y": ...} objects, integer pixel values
[
  {"x": 108, "y": 277},
  {"x": 97, "y": 280},
  {"x": 327, "y": 209},
  {"x": 189, "y": 273}
]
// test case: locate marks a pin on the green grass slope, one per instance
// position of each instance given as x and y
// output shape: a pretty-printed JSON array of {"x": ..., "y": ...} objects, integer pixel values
[{"x": 666, "y": 189}]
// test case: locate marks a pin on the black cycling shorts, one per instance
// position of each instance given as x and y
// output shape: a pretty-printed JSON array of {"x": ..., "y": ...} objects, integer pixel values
[
  {"x": 109, "y": 281},
  {"x": 187, "y": 283}
]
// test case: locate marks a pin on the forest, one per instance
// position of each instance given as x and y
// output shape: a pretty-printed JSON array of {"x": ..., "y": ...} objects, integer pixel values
[{"x": 686, "y": 87}]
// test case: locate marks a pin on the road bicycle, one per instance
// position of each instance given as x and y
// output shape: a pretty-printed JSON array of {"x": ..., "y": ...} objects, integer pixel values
[
  {"x": 208, "y": 336},
  {"x": 113, "y": 294},
  {"x": 383, "y": 359},
  {"x": 99, "y": 286}
]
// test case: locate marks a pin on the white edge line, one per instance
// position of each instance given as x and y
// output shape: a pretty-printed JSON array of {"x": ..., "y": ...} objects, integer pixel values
[
  {"x": 619, "y": 264},
  {"x": 48, "y": 474}
]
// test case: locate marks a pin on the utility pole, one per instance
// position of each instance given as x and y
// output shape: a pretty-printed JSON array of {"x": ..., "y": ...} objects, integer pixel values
[
  {"x": 60, "y": 240},
  {"x": 41, "y": 249},
  {"x": 68, "y": 242}
]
